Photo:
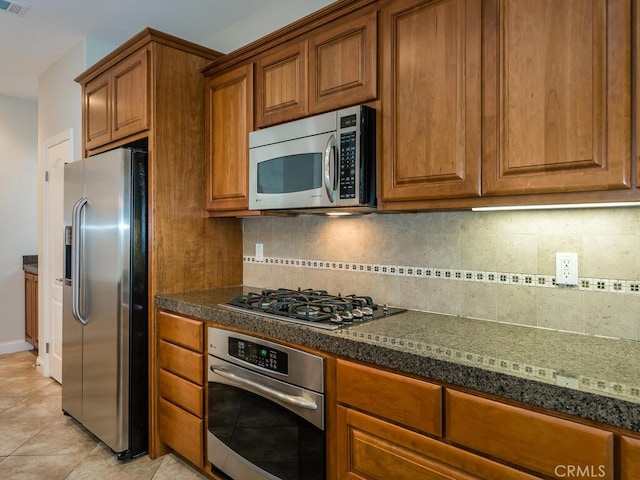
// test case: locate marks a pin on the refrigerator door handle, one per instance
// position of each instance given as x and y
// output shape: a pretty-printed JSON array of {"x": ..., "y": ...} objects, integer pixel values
[{"x": 77, "y": 233}]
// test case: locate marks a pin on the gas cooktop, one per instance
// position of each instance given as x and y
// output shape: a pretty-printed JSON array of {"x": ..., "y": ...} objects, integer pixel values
[{"x": 315, "y": 308}]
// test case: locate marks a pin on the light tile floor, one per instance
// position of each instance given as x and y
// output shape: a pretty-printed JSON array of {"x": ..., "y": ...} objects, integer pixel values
[{"x": 37, "y": 441}]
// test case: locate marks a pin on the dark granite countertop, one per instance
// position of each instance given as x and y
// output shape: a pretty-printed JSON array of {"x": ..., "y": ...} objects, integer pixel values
[
  {"x": 600, "y": 376},
  {"x": 30, "y": 264}
]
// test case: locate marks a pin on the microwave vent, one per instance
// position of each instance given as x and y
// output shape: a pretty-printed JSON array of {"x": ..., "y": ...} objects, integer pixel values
[{"x": 13, "y": 7}]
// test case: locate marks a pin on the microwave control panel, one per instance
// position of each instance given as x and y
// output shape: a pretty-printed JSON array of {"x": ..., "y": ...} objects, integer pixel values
[{"x": 348, "y": 164}]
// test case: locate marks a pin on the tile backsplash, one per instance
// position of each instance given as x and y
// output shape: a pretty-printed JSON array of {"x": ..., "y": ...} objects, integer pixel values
[{"x": 496, "y": 266}]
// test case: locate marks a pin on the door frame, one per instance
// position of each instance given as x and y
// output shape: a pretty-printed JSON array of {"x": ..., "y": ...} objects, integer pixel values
[{"x": 45, "y": 317}]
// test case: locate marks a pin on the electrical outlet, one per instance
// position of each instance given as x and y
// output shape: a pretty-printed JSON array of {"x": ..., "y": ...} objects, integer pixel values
[
  {"x": 259, "y": 252},
  {"x": 567, "y": 381},
  {"x": 566, "y": 269}
]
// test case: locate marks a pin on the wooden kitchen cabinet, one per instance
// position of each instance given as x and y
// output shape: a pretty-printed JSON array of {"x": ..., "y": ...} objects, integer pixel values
[
  {"x": 31, "y": 309},
  {"x": 96, "y": 111},
  {"x": 504, "y": 98},
  {"x": 404, "y": 400},
  {"x": 343, "y": 62},
  {"x": 522, "y": 437},
  {"x": 181, "y": 431},
  {"x": 115, "y": 104},
  {"x": 335, "y": 66},
  {"x": 181, "y": 380},
  {"x": 370, "y": 448},
  {"x": 229, "y": 119},
  {"x": 431, "y": 93},
  {"x": 281, "y": 84},
  {"x": 390, "y": 426},
  {"x": 556, "y": 96},
  {"x": 629, "y": 458}
]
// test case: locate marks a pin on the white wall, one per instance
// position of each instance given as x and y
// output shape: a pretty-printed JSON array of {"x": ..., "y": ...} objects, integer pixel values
[
  {"x": 18, "y": 212},
  {"x": 276, "y": 14}
]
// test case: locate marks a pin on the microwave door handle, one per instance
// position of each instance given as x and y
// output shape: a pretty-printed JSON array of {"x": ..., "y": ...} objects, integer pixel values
[{"x": 330, "y": 168}]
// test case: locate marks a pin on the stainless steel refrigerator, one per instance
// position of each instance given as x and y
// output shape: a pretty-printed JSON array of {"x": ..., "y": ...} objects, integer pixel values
[{"x": 104, "y": 334}]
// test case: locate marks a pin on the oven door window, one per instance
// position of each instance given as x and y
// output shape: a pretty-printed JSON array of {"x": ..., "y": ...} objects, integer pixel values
[
  {"x": 266, "y": 434},
  {"x": 290, "y": 173}
]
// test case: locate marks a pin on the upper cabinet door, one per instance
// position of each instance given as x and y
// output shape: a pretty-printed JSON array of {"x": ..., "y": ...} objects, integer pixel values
[
  {"x": 431, "y": 96},
  {"x": 281, "y": 84},
  {"x": 130, "y": 92},
  {"x": 557, "y": 94},
  {"x": 97, "y": 111},
  {"x": 116, "y": 102},
  {"x": 343, "y": 63},
  {"x": 228, "y": 121}
]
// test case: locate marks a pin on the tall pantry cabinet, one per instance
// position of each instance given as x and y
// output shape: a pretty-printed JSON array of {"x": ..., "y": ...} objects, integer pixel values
[{"x": 149, "y": 93}]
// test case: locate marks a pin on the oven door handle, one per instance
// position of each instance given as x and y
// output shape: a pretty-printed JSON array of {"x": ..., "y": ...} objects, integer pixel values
[{"x": 291, "y": 399}]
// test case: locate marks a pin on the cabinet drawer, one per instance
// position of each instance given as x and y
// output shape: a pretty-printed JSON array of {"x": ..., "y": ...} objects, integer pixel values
[
  {"x": 401, "y": 399},
  {"x": 629, "y": 458},
  {"x": 182, "y": 331},
  {"x": 533, "y": 440},
  {"x": 372, "y": 448},
  {"x": 182, "y": 362},
  {"x": 181, "y": 431},
  {"x": 181, "y": 392}
]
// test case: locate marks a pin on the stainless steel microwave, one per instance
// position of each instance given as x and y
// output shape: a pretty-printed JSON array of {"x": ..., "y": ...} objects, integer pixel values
[{"x": 324, "y": 161}]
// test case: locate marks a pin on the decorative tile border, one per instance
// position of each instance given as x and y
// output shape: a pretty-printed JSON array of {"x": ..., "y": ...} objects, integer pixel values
[
  {"x": 501, "y": 278},
  {"x": 541, "y": 374}
]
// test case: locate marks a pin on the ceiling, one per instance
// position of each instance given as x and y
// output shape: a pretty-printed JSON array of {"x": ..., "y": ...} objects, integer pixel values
[{"x": 31, "y": 43}]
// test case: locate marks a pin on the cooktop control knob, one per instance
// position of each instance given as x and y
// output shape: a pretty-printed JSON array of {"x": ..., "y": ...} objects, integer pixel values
[
  {"x": 357, "y": 314},
  {"x": 367, "y": 311}
]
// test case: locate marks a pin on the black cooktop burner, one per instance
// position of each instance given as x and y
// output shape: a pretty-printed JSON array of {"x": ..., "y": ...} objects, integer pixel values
[{"x": 313, "y": 307}]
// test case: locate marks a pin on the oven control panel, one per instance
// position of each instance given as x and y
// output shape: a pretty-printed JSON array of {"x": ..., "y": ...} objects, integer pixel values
[{"x": 262, "y": 356}]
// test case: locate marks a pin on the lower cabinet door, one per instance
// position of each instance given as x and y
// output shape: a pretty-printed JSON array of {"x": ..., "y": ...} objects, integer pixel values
[
  {"x": 182, "y": 431},
  {"x": 370, "y": 448},
  {"x": 542, "y": 443},
  {"x": 629, "y": 458}
]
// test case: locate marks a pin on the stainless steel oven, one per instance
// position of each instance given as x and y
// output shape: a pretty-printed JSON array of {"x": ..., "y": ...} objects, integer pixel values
[{"x": 266, "y": 409}]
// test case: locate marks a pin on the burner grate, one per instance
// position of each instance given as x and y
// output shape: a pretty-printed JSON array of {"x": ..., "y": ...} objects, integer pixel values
[{"x": 311, "y": 306}]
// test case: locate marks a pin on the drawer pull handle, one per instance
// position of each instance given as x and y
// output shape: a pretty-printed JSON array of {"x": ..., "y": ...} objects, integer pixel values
[{"x": 291, "y": 399}]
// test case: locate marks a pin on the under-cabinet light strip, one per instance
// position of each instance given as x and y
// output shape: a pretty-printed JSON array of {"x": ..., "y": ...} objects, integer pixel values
[
  {"x": 563, "y": 206},
  {"x": 500, "y": 278}
]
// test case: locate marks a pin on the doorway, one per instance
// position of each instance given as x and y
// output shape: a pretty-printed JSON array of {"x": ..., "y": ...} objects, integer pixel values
[{"x": 58, "y": 151}]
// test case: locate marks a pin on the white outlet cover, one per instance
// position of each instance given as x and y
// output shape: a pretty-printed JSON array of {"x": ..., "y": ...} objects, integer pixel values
[
  {"x": 259, "y": 252},
  {"x": 567, "y": 381},
  {"x": 567, "y": 269}
]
